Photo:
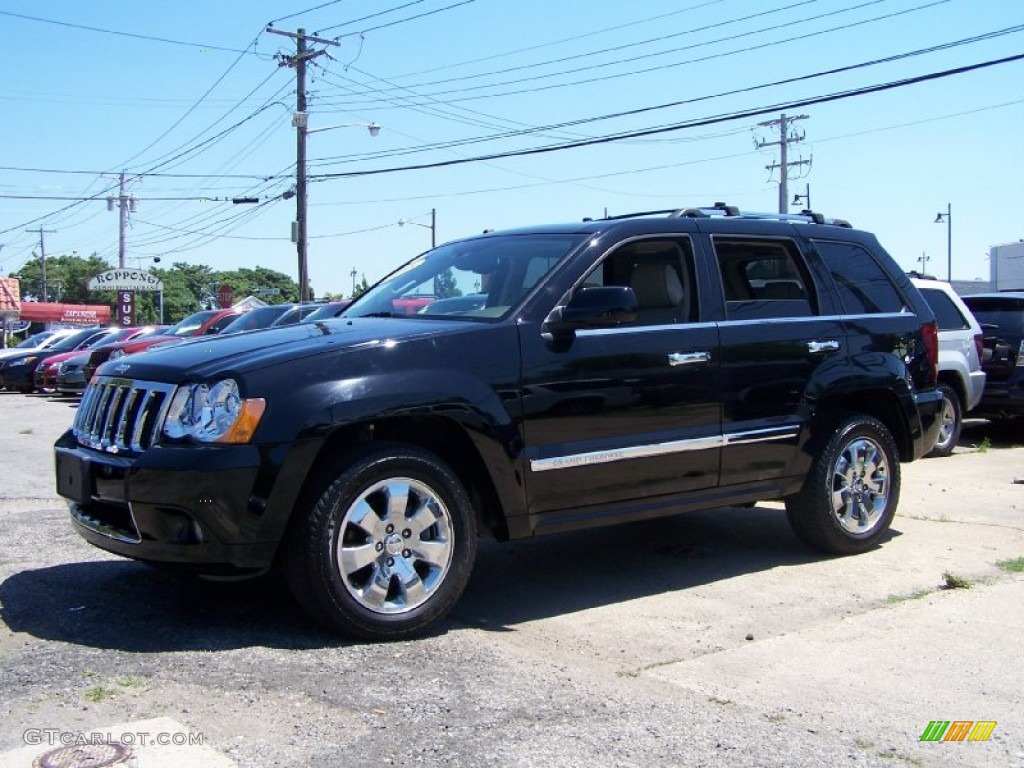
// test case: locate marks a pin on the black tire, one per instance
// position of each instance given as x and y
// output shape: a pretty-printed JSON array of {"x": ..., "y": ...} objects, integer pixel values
[
  {"x": 850, "y": 495},
  {"x": 383, "y": 544},
  {"x": 952, "y": 421}
]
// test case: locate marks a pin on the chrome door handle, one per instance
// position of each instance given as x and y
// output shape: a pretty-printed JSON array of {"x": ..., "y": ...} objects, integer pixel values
[
  {"x": 822, "y": 346},
  {"x": 688, "y": 358}
]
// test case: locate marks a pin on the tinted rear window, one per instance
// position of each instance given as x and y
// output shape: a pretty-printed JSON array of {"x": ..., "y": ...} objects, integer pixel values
[
  {"x": 947, "y": 314},
  {"x": 864, "y": 287},
  {"x": 1003, "y": 311}
]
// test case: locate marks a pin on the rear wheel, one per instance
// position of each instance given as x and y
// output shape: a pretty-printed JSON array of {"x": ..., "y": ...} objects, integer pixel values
[
  {"x": 850, "y": 495},
  {"x": 951, "y": 422},
  {"x": 383, "y": 546}
]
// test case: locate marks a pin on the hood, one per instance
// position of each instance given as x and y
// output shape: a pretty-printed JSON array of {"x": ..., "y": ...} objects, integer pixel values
[{"x": 206, "y": 356}]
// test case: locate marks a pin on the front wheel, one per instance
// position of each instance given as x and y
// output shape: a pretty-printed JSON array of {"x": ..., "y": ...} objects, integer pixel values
[
  {"x": 850, "y": 495},
  {"x": 383, "y": 545},
  {"x": 950, "y": 422}
]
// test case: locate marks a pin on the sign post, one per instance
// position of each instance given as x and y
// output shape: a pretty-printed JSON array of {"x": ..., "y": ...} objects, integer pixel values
[{"x": 126, "y": 282}]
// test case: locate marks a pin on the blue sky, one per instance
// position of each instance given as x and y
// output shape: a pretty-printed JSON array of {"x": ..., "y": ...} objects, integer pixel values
[{"x": 204, "y": 114}]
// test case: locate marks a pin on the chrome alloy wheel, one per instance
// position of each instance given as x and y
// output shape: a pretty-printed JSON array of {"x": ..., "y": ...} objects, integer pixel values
[
  {"x": 860, "y": 486},
  {"x": 395, "y": 545},
  {"x": 947, "y": 424}
]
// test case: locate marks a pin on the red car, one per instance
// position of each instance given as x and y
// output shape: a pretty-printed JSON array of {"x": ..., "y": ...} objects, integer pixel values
[
  {"x": 45, "y": 375},
  {"x": 208, "y": 321}
]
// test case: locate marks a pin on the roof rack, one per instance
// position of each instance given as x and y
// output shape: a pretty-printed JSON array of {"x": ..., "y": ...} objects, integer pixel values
[{"x": 731, "y": 211}]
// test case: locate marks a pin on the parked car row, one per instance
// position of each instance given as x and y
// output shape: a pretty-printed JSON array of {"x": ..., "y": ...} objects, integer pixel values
[{"x": 63, "y": 361}]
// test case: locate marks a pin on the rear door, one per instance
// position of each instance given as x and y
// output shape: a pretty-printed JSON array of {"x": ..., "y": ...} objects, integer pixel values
[{"x": 777, "y": 346}]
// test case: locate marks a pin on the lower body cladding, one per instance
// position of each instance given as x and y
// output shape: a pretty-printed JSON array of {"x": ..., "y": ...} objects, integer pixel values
[{"x": 196, "y": 508}]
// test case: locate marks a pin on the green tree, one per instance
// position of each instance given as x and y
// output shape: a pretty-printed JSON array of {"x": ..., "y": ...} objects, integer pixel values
[
  {"x": 66, "y": 279},
  {"x": 445, "y": 285},
  {"x": 360, "y": 288},
  {"x": 246, "y": 282}
]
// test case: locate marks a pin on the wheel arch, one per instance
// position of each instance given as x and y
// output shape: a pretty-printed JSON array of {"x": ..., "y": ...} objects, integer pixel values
[
  {"x": 882, "y": 403},
  {"x": 442, "y": 436},
  {"x": 955, "y": 380}
]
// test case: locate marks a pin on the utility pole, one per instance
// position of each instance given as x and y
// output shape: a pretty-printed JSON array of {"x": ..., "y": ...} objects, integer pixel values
[
  {"x": 125, "y": 203},
  {"x": 42, "y": 254},
  {"x": 300, "y": 121},
  {"x": 785, "y": 139}
]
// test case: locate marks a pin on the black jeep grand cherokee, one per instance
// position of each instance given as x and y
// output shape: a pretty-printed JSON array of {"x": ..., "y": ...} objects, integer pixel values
[{"x": 607, "y": 371}]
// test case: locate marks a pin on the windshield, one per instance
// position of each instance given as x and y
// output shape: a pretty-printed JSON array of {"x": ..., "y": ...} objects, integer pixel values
[
  {"x": 74, "y": 341},
  {"x": 498, "y": 272},
  {"x": 35, "y": 341},
  {"x": 327, "y": 311},
  {"x": 190, "y": 324},
  {"x": 256, "y": 318}
]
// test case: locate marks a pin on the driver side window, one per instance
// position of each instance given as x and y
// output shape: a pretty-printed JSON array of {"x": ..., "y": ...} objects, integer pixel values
[{"x": 660, "y": 272}]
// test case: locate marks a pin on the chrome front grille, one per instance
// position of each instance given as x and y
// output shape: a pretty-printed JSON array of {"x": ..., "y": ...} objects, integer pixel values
[{"x": 121, "y": 416}]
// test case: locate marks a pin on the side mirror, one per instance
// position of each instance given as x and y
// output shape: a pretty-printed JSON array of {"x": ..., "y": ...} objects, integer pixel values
[{"x": 599, "y": 307}]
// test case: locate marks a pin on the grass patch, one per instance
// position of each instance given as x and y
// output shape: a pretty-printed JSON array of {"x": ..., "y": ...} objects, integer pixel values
[
  {"x": 130, "y": 681},
  {"x": 952, "y": 581},
  {"x": 985, "y": 444},
  {"x": 99, "y": 693},
  {"x": 1012, "y": 566},
  {"x": 917, "y": 594}
]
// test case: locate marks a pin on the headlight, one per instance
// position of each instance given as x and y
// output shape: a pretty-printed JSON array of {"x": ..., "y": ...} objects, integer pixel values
[{"x": 213, "y": 413}]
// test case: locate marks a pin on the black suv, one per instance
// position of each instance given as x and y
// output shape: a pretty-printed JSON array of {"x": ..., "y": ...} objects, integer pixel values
[
  {"x": 617, "y": 369},
  {"x": 1002, "y": 319}
]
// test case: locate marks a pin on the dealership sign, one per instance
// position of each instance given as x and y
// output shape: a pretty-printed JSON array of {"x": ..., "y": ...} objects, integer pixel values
[{"x": 125, "y": 280}]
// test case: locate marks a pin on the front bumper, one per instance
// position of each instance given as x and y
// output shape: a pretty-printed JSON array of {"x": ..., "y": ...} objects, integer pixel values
[
  {"x": 71, "y": 382},
  {"x": 204, "y": 507},
  {"x": 17, "y": 377}
]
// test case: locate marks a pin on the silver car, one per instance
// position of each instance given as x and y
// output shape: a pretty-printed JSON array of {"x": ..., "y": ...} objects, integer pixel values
[{"x": 961, "y": 341}]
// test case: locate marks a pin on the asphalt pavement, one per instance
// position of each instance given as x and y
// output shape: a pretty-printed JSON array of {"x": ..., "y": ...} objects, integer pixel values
[{"x": 708, "y": 639}]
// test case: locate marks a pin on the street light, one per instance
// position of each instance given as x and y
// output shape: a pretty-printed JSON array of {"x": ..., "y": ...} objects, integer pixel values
[
  {"x": 947, "y": 218},
  {"x": 373, "y": 128},
  {"x": 804, "y": 197},
  {"x": 300, "y": 119},
  {"x": 432, "y": 226}
]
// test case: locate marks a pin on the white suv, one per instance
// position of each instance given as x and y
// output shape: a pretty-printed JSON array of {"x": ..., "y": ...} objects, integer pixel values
[{"x": 961, "y": 341}]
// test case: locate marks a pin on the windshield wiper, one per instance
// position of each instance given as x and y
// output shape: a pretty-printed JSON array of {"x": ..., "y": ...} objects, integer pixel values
[{"x": 379, "y": 314}]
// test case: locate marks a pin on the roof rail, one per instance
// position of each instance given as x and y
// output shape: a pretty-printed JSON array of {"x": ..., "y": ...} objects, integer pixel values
[{"x": 732, "y": 211}]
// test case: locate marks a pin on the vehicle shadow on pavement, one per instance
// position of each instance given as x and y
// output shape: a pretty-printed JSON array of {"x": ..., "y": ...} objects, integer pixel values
[
  {"x": 999, "y": 433},
  {"x": 548, "y": 576},
  {"x": 123, "y": 605},
  {"x": 128, "y": 606}
]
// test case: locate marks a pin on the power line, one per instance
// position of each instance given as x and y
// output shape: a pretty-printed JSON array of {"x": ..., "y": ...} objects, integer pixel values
[
  {"x": 617, "y": 29},
  {"x": 403, "y": 21},
  {"x": 757, "y": 112},
  {"x": 684, "y": 33},
  {"x": 140, "y": 175},
  {"x": 122, "y": 34},
  {"x": 682, "y": 102},
  {"x": 372, "y": 15},
  {"x": 634, "y": 72},
  {"x": 305, "y": 10}
]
